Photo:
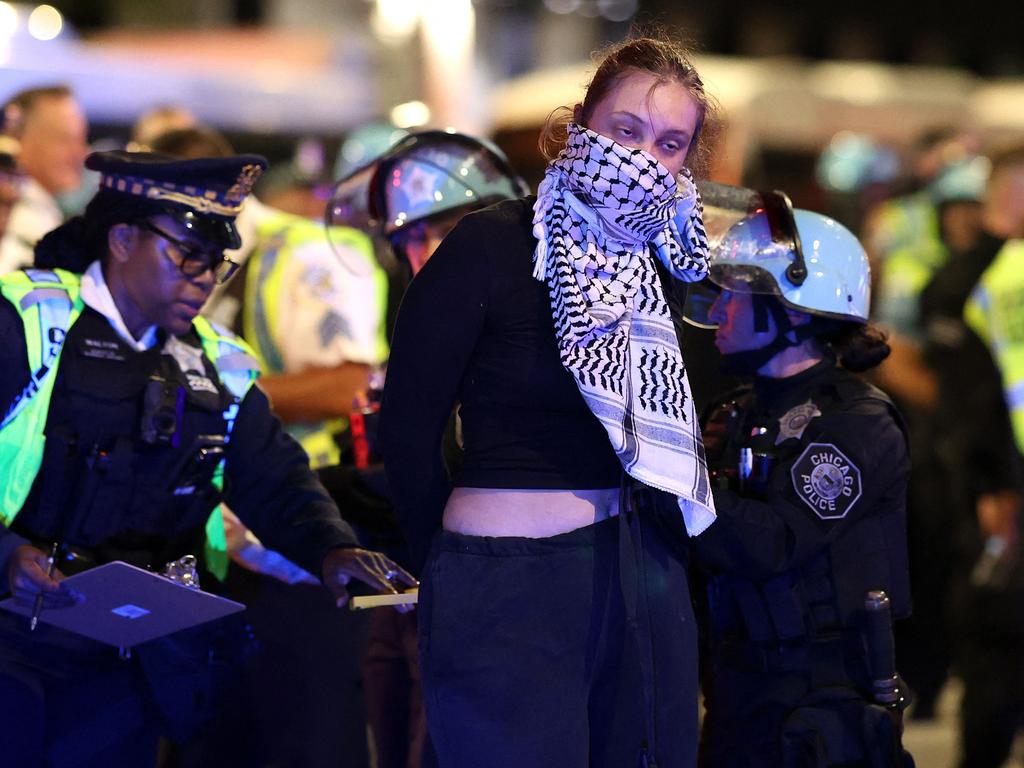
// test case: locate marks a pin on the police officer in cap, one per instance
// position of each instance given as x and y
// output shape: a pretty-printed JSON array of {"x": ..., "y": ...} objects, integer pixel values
[
  {"x": 127, "y": 419},
  {"x": 810, "y": 465}
]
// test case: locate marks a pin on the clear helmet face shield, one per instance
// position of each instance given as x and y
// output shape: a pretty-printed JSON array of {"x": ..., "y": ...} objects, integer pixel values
[
  {"x": 348, "y": 208},
  {"x": 760, "y": 245},
  {"x": 751, "y": 238}
]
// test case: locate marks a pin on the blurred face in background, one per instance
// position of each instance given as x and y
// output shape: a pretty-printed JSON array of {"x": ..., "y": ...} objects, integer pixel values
[
  {"x": 1004, "y": 201},
  {"x": 53, "y": 143},
  {"x": 960, "y": 222},
  {"x": 10, "y": 191}
]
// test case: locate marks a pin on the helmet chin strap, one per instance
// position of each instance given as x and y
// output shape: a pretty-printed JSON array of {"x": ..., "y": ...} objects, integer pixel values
[{"x": 749, "y": 362}]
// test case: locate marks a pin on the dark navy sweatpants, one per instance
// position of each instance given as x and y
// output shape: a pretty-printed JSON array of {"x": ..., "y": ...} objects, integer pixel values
[{"x": 528, "y": 658}]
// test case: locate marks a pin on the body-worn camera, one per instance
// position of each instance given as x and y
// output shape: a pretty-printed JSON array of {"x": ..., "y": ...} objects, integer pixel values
[{"x": 163, "y": 404}]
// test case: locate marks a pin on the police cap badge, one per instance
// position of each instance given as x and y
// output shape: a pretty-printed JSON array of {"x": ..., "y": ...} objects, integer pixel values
[{"x": 206, "y": 194}]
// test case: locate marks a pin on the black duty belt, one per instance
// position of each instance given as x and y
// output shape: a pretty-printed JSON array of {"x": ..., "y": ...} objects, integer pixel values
[{"x": 826, "y": 660}]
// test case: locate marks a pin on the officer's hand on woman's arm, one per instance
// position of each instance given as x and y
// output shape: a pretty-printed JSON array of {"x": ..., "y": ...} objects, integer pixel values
[
  {"x": 372, "y": 568},
  {"x": 26, "y": 578}
]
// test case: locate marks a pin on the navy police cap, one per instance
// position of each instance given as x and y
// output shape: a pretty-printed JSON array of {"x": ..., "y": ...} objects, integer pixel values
[{"x": 209, "y": 186}]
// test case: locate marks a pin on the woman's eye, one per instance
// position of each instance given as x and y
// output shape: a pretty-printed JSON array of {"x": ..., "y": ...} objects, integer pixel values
[{"x": 625, "y": 131}]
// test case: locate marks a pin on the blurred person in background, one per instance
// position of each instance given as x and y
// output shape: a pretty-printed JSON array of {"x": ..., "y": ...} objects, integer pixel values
[
  {"x": 856, "y": 171},
  {"x": 975, "y": 344},
  {"x": 158, "y": 121},
  {"x": 51, "y": 129},
  {"x": 311, "y": 304},
  {"x": 909, "y": 218},
  {"x": 547, "y": 606},
  {"x": 956, "y": 194},
  {"x": 410, "y": 197},
  {"x": 809, "y": 465},
  {"x": 11, "y": 178}
]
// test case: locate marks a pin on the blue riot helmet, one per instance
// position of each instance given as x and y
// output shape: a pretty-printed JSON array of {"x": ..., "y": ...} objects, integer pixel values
[
  {"x": 348, "y": 206},
  {"x": 963, "y": 180},
  {"x": 365, "y": 144},
  {"x": 818, "y": 267},
  {"x": 759, "y": 244},
  {"x": 427, "y": 175},
  {"x": 432, "y": 173},
  {"x": 852, "y": 161}
]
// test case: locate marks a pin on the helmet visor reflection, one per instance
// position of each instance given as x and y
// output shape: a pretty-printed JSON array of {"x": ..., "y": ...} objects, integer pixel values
[{"x": 743, "y": 278}]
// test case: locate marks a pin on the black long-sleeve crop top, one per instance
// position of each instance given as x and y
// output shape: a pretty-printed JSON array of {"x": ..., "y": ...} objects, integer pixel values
[{"x": 475, "y": 328}]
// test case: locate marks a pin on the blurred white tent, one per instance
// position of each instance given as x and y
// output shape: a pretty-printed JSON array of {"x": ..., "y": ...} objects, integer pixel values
[
  {"x": 251, "y": 80},
  {"x": 300, "y": 81},
  {"x": 799, "y": 106}
]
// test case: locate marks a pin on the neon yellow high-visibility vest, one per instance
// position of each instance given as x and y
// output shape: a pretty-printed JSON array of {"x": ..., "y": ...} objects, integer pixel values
[
  {"x": 904, "y": 275},
  {"x": 995, "y": 311},
  {"x": 277, "y": 239},
  {"x": 909, "y": 244},
  {"x": 49, "y": 303},
  {"x": 905, "y": 221}
]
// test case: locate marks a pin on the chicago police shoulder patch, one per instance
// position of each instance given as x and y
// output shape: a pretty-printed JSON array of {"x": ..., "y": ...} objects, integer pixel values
[{"x": 826, "y": 480}]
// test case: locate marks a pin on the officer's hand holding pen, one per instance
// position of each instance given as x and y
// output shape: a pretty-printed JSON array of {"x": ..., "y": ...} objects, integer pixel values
[
  {"x": 29, "y": 581},
  {"x": 37, "y": 606},
  {"x": 372, "y": 568}
]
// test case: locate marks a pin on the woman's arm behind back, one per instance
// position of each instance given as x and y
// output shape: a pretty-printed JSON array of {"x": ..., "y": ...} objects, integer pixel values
[{"x": 439, "y": 321}]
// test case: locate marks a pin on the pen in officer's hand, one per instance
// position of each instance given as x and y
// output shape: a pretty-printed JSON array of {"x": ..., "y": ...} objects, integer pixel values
[{"x": 38, "y": 607}]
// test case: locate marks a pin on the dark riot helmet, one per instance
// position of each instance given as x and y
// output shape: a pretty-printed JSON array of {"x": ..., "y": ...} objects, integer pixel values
[{"x": 425, "y": 175}]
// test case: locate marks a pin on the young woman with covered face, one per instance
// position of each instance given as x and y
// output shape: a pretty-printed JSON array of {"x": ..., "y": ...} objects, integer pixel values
[{"x": 555, "y": 620}]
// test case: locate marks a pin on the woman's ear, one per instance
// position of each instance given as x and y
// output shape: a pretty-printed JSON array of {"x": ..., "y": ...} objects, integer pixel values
[
  {"x": 577, "y": 114},
  {"x": 121, "y": 241}
]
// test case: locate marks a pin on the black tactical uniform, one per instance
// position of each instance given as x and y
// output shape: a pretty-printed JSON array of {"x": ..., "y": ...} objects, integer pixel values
[{"x": 811, "y": 518}]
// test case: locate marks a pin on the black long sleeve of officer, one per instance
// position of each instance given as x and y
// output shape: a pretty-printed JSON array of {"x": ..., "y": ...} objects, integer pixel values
[
  {"x": 268, "y": 482},
  {"x": 759, "y": 537},
  {"x": 273, "y": 491}
]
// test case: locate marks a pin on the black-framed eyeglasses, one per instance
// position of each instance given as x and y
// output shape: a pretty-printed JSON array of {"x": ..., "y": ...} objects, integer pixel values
[{"x": 193, "y": 261}]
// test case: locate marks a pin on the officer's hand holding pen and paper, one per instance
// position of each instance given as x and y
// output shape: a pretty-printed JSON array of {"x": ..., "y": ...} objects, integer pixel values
[
  {"x": 372, "y": 568},
  {"x": 34, "y": 580}
]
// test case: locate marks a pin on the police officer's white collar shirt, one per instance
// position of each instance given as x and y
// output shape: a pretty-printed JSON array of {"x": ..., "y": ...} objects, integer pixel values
[{"x": 96, "y": 294}]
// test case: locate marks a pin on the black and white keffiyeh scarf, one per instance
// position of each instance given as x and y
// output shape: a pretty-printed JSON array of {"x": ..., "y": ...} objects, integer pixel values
[{"x": 601, "y": 209}]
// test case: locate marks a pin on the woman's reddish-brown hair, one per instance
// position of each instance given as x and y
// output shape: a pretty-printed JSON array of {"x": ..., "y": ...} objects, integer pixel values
[{"x": 668, "y": 61}]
